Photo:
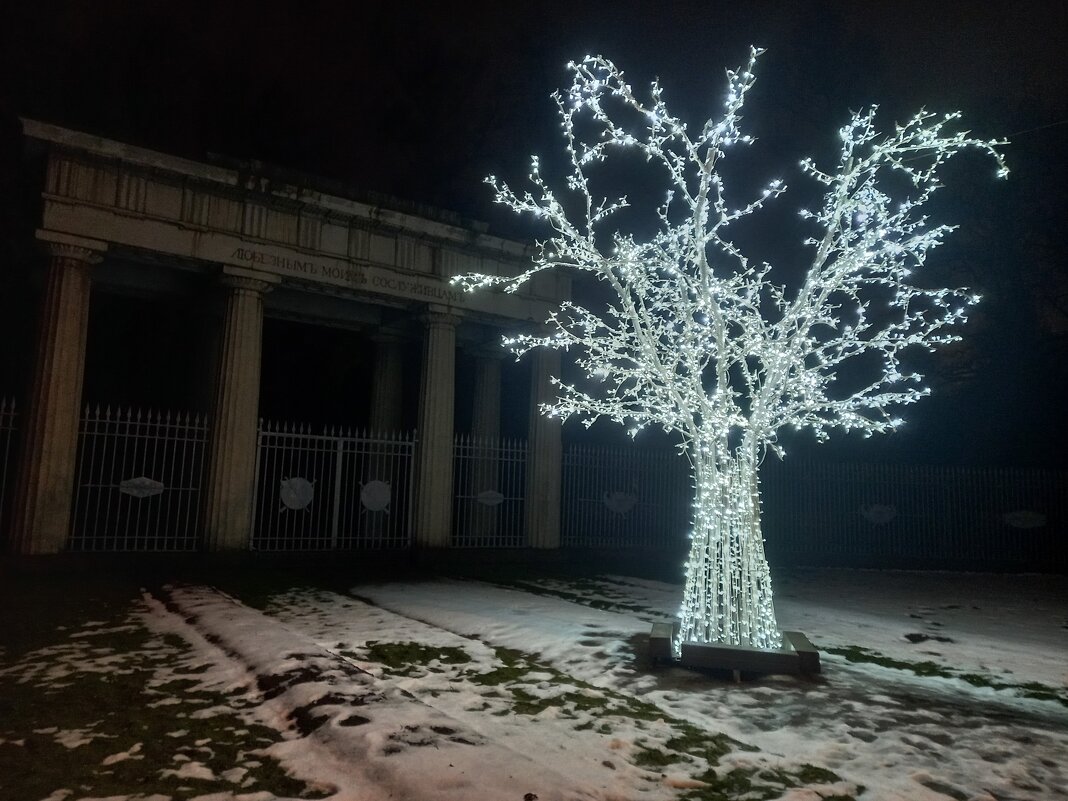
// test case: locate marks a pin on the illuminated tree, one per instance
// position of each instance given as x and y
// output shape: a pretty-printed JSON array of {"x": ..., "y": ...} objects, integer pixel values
[{"x": 700, "y": 341}]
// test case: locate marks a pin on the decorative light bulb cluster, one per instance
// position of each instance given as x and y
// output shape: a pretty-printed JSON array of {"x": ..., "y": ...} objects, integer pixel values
[{"x": 703, "y": 343}]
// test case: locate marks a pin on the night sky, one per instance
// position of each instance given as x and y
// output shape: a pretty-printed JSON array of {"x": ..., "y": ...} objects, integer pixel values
[{"x": 422, "y": 101}]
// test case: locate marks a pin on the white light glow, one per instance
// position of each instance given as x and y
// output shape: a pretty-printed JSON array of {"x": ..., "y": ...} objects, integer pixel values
[{"x": 705, "y": 344}]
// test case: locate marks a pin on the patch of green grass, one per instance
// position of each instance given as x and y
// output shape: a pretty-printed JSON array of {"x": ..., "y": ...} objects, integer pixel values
[
  {"x": 855, "y": 653},
  {"x": 514, "y": 666},
  {"x": 944, "y": 789},
  {"x": 710, "y": 747},
  {"x": 111, "y": 707},
  {"x": 40, "y": 613},
  {"x": 760, "y": 784},
  {"x": 407, "y": 658},
  {"x": 656, "y": 759},
  {"x": 525, "y": 703},
  {"x": 1041, "y": 692}
]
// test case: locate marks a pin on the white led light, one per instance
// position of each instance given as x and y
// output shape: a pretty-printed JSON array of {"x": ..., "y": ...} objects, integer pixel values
[{"x": 704, "y": 344}]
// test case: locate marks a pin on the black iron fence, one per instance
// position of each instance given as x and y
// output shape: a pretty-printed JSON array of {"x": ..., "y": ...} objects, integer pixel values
[
  {"x": 832, "y": 515},
  {"x": 909, "y": 516},
  {"x": 341, "y": 489},
  {"x": 139, "y": 481},
  {"x": 140, "y": 473},
  {"x": 624, "y": 497}
]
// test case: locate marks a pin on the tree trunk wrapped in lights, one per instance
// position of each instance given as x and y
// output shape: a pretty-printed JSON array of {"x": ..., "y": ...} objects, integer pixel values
[{"x": 704, "y": 343}]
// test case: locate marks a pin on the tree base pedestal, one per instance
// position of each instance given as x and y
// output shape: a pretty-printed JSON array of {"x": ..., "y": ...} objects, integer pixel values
[{"x": 797, "y": 656}]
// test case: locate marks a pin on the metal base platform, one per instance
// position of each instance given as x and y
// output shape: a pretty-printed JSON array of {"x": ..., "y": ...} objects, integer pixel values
[{"x": 798, "y": 656}]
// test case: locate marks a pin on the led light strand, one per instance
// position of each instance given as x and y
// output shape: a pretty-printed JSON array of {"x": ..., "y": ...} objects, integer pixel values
[{"x": 705, "y": 344}]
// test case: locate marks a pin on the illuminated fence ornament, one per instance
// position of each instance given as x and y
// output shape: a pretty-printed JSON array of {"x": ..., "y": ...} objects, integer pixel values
[
  {"x": 295, "y": 493},
  {"x": 702, "y": 342}
]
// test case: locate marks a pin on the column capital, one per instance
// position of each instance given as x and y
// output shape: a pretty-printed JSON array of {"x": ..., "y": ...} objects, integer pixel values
[
  {"x": 244, "y": 280},
  {"x": 439, "y": 317},
  {"x": 72, "y": 248}
]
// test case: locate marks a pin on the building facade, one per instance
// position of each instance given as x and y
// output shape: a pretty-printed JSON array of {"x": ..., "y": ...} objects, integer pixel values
[{"x": 252, "y": 247}]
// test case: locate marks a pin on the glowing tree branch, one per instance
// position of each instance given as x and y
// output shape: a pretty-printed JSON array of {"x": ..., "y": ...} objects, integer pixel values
[{"x": 698, "y": 340}]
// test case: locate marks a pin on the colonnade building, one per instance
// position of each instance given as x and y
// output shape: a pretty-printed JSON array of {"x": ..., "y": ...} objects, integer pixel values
[{"x": 236, "y": 246}]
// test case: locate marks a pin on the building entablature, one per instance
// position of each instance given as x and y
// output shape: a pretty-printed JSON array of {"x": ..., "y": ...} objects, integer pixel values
[{"x": 140, "y": 201}]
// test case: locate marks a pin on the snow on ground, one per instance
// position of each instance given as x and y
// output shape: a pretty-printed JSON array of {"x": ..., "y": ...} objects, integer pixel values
[
  {"x": 904, "y": 736},
  {"x": 371, "y": 737},
  {"x": 935, "y": 687},
  {"x": 1014, "y": 627}
]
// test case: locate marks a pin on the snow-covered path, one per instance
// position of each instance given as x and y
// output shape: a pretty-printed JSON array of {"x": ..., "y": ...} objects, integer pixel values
[
  {"x": 464, "y": 690},
  {"x": 902, "y": 735},
  {"x": 367, "y": 738}
]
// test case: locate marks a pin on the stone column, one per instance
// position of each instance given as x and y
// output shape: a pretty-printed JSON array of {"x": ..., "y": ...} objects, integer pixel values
[
  {"x": 386, "y": 383},
  {"x": 231, "y": 469},
  {"x": 434, "y": 453},
  {"x": 47, "y": 471},
  {"x": 544, "y": 455}
]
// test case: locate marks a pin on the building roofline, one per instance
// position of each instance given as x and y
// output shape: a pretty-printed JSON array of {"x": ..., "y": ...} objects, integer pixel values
[{"x": 275, "y": 181}]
